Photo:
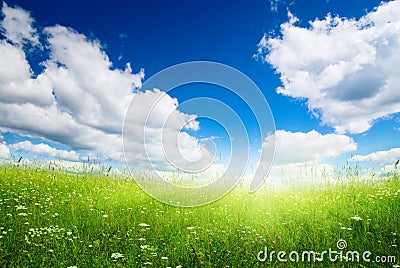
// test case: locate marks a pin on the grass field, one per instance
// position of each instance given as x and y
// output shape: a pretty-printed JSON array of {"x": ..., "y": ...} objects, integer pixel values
[{"x": 55, "y": 219}]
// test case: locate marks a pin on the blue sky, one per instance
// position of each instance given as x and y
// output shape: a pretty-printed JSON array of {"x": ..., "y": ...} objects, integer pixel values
[{"x": 331, "y": 86}]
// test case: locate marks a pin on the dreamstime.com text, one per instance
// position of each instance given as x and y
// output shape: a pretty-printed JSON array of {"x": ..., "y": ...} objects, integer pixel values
[{"x": 339, "y": 255}]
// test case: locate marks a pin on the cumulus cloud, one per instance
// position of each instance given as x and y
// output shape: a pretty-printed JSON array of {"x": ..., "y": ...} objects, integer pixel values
[
  {"x": 79, "y": 99},
  {"x": 299, "y": 153},
  {"x": 45, "y": 150},
  {"x": 298, "y": 147},
  {"x": 16, "y": 82},
  {"x": 85, "y": 84},
  {"x": 381, "y": 157},
  {"x": 4, "y": 150},
  {"x": 17, "y": 26},
  {"x": 346, "y": 69},
  {"x": 153, "y": 131}
]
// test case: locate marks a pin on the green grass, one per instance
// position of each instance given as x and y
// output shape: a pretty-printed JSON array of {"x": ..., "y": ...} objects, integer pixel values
[{"x": 56, "y": 219}]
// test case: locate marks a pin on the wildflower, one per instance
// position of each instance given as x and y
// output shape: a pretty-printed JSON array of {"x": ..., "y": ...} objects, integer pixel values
[
  {"x": 116, "y": 255},
  {"x": 356, "y": 218},
  {"x": 72, "y": 266},
  {"x": 191, "y": 228},
  {"x": 105, "y": 216},
  {"x": 144, "y": 224},
  {"x": 164, "y": 258}
]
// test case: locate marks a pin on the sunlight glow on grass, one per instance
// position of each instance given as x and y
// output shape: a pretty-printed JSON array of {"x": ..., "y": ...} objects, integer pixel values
[{"x": 58, "y": 219}]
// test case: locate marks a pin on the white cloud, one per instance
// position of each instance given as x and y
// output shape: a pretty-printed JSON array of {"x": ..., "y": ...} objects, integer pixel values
[
  {"x": 381, "y": 157},
  {"x": 45, "y": 150},
  {"x": 4, "y": 152},
  {"x": 85, "y": 84},
  {"x": 16, "y": 82},
  {"x": 17, "y": 26},
  {"x": 153, "y": 114},
  {"x": 388, "y": 170},
  {"x": 52, "y": 124},
  {"x": 276, "y": 4},
  {"x": 79, "y": 99},
  {"x": 346, "y": 69},
  {"x": 300, "y": 147},
  {"x": 303, "y": 154}
]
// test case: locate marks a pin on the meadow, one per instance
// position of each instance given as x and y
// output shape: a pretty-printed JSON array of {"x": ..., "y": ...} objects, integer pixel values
[{"x": 52, "y": 218}]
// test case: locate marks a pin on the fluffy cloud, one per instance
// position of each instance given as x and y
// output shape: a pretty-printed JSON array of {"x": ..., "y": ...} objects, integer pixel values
[
  {"x": 381, "y": 157},
  {"x": 4, "y": 151},
  {"x": 79, "y": 99},
  {"x": 300, "y": 147},
  {"x": 299, "y": 153},
  {"x": 346, "y": 69},
  {"x": 16, "y": 82},
  {"x": 152, "y": 131},
  {"x": 17, "y": 26},
  {"x": 45, "y": 150},
  {"x": 85, "y": 85}
]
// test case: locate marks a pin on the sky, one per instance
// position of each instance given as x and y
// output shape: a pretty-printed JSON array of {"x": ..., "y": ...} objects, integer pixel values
[{"x": 328, "y": 70}]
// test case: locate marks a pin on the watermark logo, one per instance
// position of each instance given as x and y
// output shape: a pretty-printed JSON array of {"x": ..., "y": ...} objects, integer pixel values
[
  {"x": 147, "y": 108},
  {"x": 341, "y": 244},
  {"x": 340, "y": 254}
]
